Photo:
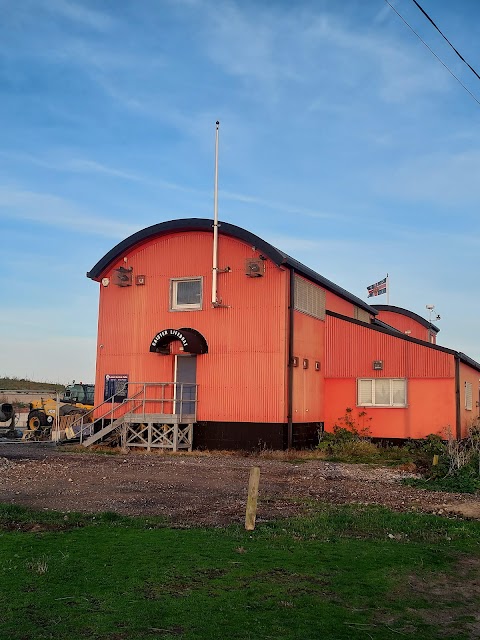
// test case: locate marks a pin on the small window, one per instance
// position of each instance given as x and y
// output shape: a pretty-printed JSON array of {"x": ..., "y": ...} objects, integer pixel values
[
  {"x": 382, "y": 392},
  {"x": 468, "y": 396},
  {"x": 185, "y": 294}
]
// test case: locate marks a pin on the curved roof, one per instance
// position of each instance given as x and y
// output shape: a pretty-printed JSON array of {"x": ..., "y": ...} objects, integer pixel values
[
  {"x": 204, "y": 224},
  {"x": 408, "y": 314}
]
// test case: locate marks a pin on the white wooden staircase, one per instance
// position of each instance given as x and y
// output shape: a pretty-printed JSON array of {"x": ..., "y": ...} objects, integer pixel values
[{"x": 157, "y": 415}]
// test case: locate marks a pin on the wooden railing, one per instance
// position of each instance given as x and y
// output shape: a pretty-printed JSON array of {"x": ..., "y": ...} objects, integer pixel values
[{"x": 145, "y": 400}]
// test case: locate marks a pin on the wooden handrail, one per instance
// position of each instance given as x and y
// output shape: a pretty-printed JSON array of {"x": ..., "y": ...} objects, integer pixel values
[{"x": 139, "y": 396}]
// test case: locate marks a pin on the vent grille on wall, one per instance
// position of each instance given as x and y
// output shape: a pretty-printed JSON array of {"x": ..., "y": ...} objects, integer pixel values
[
  {"x": 309, "y": 298},
  {"x": 122, "y": 277},
  {"x": 254, "y": 268}
]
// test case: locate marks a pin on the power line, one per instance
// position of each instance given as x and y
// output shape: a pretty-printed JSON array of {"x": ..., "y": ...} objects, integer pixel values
[
  {"x": 433, "y": 53},
  {"x": 445, "y": 38}
]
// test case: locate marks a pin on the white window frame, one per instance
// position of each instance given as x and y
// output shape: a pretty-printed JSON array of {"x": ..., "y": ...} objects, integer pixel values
[
  {"x": 468, "y": 396},
  {"x": 173, "y": 295},
  {"x": 373, "y": 403}
]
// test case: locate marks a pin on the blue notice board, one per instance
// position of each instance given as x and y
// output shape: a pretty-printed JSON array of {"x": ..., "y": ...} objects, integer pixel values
[{"x": 116, "y": 385}]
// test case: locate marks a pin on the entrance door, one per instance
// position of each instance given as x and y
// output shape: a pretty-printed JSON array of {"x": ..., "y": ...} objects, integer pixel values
[{"x": 185, "y": 384}]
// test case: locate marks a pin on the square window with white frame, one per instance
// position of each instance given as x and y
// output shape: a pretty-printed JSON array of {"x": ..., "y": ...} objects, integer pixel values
[
  {"x": 186, "y": 294},
  {"x": 382, "y": 392}
]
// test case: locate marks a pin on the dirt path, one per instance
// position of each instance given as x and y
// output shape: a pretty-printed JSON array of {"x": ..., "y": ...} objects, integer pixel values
[{"x": 199, "y": 489}]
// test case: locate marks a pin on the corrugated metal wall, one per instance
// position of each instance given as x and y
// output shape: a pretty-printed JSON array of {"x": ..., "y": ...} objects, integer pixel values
[
  {"x": 351, "y": 349},
  {"x": 242, "y": 378},
  {"x": 309, "y": 344},
  {"x": 403, "y": 324},
  {"x": 468, "y": 417},
  {"x": 431, "y": 408},
  {"x": 339, "y": 305}
]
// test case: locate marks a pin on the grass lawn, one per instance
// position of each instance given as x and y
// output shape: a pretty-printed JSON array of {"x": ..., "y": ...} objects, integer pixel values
[{"x": 344, "y": 572}]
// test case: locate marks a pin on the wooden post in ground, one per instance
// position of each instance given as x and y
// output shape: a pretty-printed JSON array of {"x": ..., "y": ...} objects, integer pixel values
[
  {"x": 123, "y": 438},
  {"x": 175, "y": 437},
  {"x": 251, "y": 512}
]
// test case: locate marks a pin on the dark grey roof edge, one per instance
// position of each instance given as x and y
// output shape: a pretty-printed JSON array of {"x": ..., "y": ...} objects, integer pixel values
[
  {"x": 328, "y": 284},
  {"x": 383, "y": 328},
  {"x": 184, "y": 224},
  {"x": 205, "y": 224},
  {"x": 467, "y": 360},
  {"x": 380, "y": 323},
  {"x": 408, "y": 314}
]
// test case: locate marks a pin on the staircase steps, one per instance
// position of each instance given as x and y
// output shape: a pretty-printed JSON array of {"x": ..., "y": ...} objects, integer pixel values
[{"x": 103, "y": 432}]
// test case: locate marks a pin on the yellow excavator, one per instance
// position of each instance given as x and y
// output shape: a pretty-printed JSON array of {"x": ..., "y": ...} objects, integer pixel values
[{"x": 77, "y": 399}]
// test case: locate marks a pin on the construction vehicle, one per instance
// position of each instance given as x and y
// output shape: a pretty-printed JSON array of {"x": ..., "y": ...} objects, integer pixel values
[
  {"x": 77, "y": 399},
  {"x": 7, "y": 421}
]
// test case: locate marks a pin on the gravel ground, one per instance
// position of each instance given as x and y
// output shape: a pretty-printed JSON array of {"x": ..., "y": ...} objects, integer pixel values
[{"x": 198, "y": 489}]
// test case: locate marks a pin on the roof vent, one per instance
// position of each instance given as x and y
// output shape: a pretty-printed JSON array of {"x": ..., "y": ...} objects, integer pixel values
[
  {"x": 254, "y": 268},
  {"x": 122, "y": 276}
]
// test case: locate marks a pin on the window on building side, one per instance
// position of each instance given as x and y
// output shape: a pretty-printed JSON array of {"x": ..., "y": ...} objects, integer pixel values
[
  {"x": 382, "y": 392},
  {"x": 309, "y": 298},
  {"x": 468, "y": 396},
  {"x": 185, "y": 294}
]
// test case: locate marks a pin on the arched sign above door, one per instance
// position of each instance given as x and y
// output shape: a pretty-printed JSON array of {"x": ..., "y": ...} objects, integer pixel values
[{"x": 192, "y": 341}]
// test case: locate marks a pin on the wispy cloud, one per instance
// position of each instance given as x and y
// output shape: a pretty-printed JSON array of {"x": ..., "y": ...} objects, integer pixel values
[
  {"x": 443, "y": 179},
  {"x": 394, "y": 66},
  {"x": 323, "y": 246},
  {"x": 84, "y": 165},
  {"x": 80, "y": 14},
  {"x": 99, "y": 57},
  {"x": 68, "y": 164},
  {"x": 53, "y": 210},
  {"x": 243, "y": 44},
  {"x": 279, "y": 206},
  {"x": 253, "y": 46}
]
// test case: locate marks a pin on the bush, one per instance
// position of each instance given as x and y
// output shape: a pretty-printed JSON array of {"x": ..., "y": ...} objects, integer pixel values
[
  {"x": 465, "y": 480},
  {"x": 425, "y": 449},
  {"x": 349, "y": 436},
  {"x": 458, "y": 467}
]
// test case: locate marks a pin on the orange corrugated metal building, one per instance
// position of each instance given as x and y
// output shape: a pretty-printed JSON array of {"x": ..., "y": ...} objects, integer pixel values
[
  {"x": 407, "y": 322},
  {"x": 278, "y": 352}
]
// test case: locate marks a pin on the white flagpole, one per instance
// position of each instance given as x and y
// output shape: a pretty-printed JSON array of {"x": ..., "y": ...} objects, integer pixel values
[
  {"x": 215, "y": 223},
  {"x": 388, "y": 289}
]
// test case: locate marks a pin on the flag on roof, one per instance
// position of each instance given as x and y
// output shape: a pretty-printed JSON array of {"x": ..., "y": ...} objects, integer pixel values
[{"x": 378, "y": 288}]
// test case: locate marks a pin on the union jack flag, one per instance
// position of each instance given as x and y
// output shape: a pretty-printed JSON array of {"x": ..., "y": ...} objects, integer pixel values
[{"x": 378, "y": 288}]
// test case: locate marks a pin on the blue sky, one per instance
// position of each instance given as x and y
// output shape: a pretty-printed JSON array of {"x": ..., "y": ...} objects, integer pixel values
[{"x": 343, "y": 141}]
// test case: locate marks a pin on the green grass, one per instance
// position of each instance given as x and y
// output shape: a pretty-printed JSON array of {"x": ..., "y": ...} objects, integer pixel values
[
  {"x": 13, "y": 383},
  {"x": 458, "y": 483},
  {"x": 343, "y": 572}
]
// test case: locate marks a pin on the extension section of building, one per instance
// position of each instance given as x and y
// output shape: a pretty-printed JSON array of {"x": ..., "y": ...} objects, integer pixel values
[
  {"x": 403, "y": 386},
  {"x": 409, "y": 323},
  {"x": 268, "y": 355}
]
